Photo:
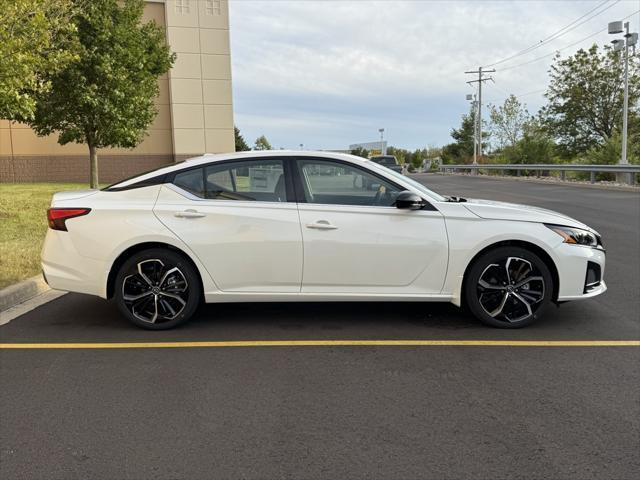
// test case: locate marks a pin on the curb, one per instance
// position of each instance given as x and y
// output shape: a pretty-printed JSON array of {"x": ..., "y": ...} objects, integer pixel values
[{"x": 21, "y": 292}]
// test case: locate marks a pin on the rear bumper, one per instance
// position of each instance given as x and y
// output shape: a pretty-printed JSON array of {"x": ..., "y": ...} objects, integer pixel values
[{"x": 65, "y": 269}]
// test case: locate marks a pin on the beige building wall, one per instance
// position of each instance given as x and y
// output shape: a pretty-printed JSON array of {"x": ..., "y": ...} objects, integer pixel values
[
  {"x": 194, "y": 104},
  {"x": 200, "y": 81}
]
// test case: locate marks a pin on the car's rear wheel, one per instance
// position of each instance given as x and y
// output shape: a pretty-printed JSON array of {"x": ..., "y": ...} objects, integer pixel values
[
  {"x": 157, "y": 289},
  {"x": 508, "y": 287}
]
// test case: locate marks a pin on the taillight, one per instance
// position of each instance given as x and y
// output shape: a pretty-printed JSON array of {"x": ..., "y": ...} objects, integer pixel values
[{"x": 58, "y": 216}]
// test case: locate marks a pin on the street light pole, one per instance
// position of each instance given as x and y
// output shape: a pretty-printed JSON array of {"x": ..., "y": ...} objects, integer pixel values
[
  {"x": 625, "y": 105},
  {"x": 630, "y": 40}
]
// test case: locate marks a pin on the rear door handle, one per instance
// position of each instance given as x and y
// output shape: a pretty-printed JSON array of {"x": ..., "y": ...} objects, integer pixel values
[
  {"x": 321, "y": 225},
  {"x": 189, "y": 214}
]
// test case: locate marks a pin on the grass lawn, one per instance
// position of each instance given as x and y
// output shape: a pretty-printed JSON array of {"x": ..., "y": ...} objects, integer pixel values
[{"x": 23, "y": 224}]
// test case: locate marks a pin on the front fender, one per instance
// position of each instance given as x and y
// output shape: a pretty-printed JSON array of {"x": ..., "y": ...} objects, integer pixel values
[{"x": 468, "y": 237}]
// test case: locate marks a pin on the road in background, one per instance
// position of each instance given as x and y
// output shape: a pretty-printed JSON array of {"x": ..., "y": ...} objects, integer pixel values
[{"x": 339, "y": 412}]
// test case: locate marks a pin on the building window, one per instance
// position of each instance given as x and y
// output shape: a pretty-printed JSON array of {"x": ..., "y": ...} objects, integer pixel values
[
  {"x": 213, "y": 7},
  {"x": 182, "y": 6}
]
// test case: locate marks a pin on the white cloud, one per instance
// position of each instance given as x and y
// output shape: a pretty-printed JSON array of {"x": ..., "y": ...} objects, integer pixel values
[{"x": 324, "y": 73}]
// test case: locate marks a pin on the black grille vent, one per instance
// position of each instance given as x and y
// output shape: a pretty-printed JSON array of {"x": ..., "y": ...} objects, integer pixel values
[{"x": 593, "y": 278}]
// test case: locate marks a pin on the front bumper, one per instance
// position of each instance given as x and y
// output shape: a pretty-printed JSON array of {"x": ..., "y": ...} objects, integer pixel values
[{"x": 573, "y": 263}]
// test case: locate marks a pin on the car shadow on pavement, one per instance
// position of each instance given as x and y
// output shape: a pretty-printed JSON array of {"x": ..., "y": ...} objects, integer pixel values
[{"x": 76, "y": 317}]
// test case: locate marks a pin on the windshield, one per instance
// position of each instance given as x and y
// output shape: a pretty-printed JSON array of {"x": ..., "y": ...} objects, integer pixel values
[
  {"x": 418, "y": 186},
  {"x": 387, "y": 161}
]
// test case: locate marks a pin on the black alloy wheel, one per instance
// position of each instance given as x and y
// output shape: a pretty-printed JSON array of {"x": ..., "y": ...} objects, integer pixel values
[
  {"x": 157, "y": 289},
  {"x": 508, "y": 287}
]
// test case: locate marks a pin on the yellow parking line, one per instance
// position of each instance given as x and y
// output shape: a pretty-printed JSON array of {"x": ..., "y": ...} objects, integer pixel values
[{"x": 330, "y": 343}]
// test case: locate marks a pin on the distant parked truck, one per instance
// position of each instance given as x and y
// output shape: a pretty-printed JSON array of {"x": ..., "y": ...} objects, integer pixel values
[{"x": 388, "y": 161}]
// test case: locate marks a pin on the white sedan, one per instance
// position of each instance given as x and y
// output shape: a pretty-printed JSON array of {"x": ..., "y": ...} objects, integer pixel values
[{"x": 280, "y": 226}]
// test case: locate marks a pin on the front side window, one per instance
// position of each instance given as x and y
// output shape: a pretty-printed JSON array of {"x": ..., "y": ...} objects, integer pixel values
[
  {"x": 335, "y": 183},
  {"x": 252, "y": 180}
]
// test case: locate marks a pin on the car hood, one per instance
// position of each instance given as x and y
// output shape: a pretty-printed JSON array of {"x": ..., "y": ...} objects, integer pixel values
[{"x": 512, "y": 211}]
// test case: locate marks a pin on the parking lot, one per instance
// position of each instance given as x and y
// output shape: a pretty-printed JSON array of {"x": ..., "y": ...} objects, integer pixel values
[{"x": 327, "y": 410}]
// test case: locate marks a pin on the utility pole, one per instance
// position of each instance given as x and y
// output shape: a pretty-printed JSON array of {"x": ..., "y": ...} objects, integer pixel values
[
  {"x": 474, "y": 106},
  {"x": 481, "y": 79}
]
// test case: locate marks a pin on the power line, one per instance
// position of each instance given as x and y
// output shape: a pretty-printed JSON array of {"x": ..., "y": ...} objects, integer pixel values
[
  {"x": 546, "y": 39},
  {"x": 519, "y": 95},
  {"x": 531, "y": 93},
  {"x": 509, "y": 67},
  {"x": 564, "y": 30}
]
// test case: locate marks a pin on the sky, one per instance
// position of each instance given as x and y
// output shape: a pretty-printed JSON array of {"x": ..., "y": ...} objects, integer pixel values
[{"x": 328, "y": 73}]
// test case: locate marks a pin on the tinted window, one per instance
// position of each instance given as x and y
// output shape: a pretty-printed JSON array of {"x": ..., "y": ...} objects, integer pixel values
[
  {"x": 191, "y": 181},
  {"x": 335, "y": 183},
  {"x": 259, "y": 180}
]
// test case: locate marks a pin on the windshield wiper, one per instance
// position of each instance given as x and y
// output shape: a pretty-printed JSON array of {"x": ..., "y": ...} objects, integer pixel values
[{"x": 455, "y": 199}]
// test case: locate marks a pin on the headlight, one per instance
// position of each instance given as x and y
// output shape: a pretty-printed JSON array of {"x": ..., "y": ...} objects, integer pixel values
[{"x": 577, "y": 236}]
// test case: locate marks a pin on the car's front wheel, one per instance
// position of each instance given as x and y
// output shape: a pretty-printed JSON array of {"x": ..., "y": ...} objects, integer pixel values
[
  {"x": 157, "y": 289},
  {"x": 508, "y": 287}
]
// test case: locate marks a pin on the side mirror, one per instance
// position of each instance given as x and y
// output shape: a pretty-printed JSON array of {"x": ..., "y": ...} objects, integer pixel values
[{"x": 410, "y": 201}]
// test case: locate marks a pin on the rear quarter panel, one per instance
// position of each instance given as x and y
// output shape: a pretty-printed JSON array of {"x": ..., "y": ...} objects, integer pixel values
[{"x": 118, "y": 221}]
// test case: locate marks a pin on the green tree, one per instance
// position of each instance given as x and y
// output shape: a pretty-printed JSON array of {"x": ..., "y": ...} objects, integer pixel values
[
  {"x": 241, "y": 145},
  {"x": 534, "y": 146},
  {"x": 417, "y": 158},
  {"x": 262, "y": 143},
  {"x": 585, "y": 98},
  {"x": 36, "y": 39},
  {"x": 106, "y": 97},
  {"x": 360, "y": 152},
  {"x": 402, "y": 155},
  {"x": 508, "y": 121},
  {"x": 462, "y": 149}
]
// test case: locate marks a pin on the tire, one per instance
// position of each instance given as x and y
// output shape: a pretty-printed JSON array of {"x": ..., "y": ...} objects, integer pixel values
[
  {"x": 508, "y": 287},
  {"x": 157, "y": 289}
]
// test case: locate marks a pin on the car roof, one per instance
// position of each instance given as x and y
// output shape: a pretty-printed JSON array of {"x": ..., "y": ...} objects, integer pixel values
[
  {"x": 211, "y": 158},
  {"x": 217, "y": 157}
]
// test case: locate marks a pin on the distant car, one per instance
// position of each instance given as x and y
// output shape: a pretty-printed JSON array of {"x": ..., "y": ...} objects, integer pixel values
[
  {"x": 388, "y": 161},
  {"x": 278, "y": 226}
]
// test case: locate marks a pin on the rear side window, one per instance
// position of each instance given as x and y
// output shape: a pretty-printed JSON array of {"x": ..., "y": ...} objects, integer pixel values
[
  {"x": 247, "y": 180},
  {"x": 191, "y": 181}
]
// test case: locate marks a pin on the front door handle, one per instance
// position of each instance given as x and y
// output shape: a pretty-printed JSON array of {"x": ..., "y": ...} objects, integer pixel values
[
  {"x": 190, "y": 213},
  {"x": 321, "y": 225}
]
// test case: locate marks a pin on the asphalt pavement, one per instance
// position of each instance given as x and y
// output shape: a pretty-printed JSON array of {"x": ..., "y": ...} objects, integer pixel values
[{"x": 339, "y": 411}]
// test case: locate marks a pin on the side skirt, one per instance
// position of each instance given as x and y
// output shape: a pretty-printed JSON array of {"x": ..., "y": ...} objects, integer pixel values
[{"x": 234, "y": 297}]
